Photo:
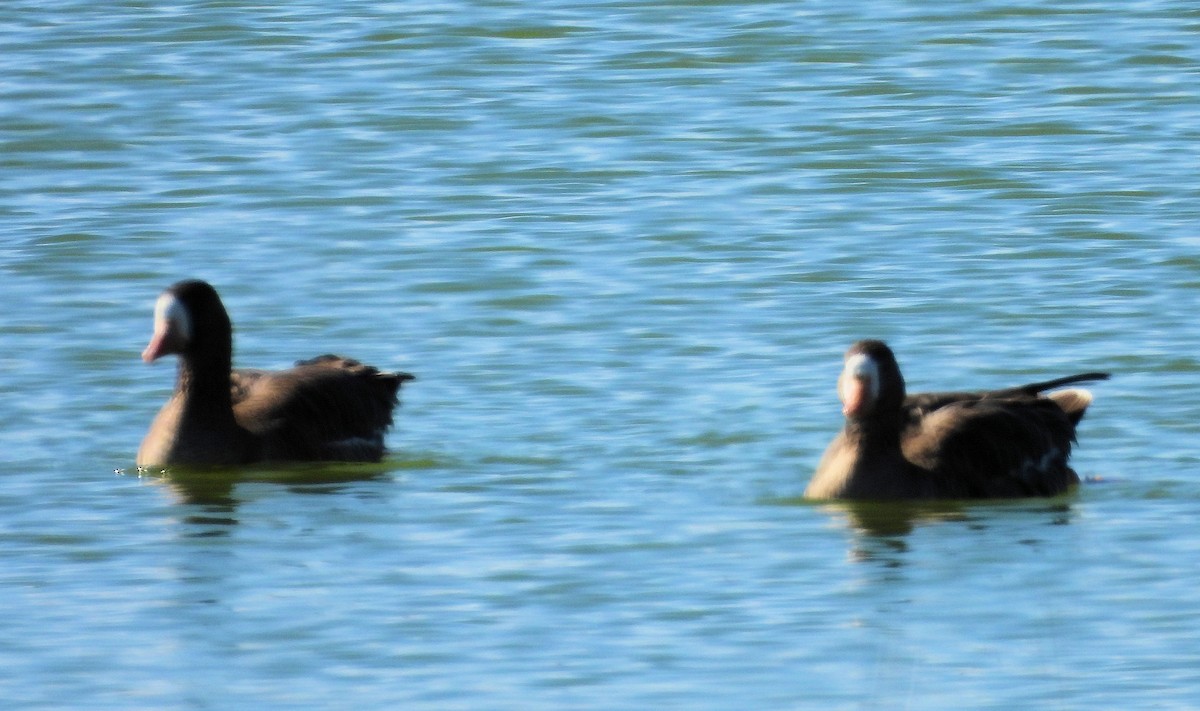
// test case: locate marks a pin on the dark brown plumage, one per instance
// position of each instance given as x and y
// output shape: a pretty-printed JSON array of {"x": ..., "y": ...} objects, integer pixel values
[
  {"x": 1012, "y": 442},
  {"x": 328, "y": 408}
]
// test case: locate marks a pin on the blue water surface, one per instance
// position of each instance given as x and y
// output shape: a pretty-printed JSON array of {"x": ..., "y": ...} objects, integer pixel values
[{"x": 623, "y": 246}]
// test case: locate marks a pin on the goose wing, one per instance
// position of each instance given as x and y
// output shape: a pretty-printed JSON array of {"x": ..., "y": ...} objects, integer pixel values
[
  {"x": 326, "y": 408},
  {"x": 993, "y": 447}
]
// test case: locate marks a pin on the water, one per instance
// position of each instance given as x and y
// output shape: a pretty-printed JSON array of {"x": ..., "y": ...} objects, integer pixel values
[{"x": 623, "y": 246}]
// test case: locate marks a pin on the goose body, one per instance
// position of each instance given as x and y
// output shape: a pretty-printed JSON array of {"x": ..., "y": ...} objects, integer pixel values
[
  {"x": 1013, "y": 442},
  {"x": 327, "y": 408}
]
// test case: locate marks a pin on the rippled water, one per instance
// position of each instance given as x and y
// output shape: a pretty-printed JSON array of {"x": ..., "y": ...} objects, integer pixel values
[{"x": 623, "y": 246}]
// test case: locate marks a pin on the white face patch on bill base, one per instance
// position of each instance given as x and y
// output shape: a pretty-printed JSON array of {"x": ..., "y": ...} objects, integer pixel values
[
  {"x": 858, "y": 386},
  {"x": 172, "y": 328}
]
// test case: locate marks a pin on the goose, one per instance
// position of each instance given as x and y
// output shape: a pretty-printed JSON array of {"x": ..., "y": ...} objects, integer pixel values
[
  {"x": 327, "y": 408},
  {"x": 1012, "y": 442}
]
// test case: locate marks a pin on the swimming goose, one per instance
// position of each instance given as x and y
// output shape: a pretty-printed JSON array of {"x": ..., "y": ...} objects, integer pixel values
[
  {"x": 324, "y": 409},
  {"x": 1013, "y": 442}
]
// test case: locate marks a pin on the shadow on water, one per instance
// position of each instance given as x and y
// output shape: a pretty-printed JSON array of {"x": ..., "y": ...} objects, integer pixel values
[
  {"x": 211, "y": 494},
  {"x": 215, "y": 486},
  {"x": 882, "y": 530}
]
